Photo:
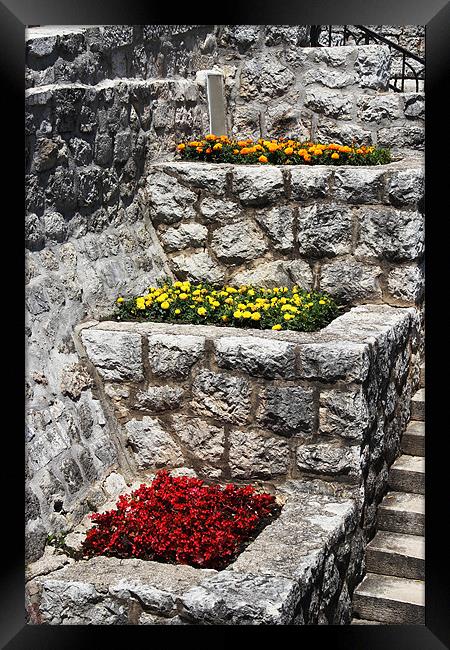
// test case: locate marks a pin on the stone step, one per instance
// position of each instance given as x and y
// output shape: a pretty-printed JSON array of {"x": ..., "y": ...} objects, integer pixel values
[
  {"x": 402, "y": 512},
  {"x": 418, "y": 405},
  {"x": 396, "y": 554},
  {"x": 407, "y": 474},
  {"x": 389, "y": 599},
  {"x": 363, "y": 621},
  {"x": 422, "y": 375},
  {"x": 413, "y": 440}
]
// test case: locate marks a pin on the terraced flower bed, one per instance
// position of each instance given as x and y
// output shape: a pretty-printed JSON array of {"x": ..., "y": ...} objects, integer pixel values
[
  {"x": 245, "y": 306},
  {"x": 279, "y": 151},
  {"x": 182, "y": 521}
]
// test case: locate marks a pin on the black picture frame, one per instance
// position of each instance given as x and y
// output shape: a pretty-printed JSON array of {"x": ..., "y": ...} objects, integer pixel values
[{"x": 435, "y": 15}]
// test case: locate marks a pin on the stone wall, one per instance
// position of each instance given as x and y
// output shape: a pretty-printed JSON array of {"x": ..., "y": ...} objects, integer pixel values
[
  {"x": 356, "y": 232},
  {"x": 257, "y": 405},
  {"x": 103, "y": 104}
]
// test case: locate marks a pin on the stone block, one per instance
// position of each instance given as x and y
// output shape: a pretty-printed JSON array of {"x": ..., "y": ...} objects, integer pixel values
[
  {"x": 277, "y": 274},
  {"x": 221, "y": 396},
  {"x": 389, "y": 234},
  {"x": 258, "y": 186},
  {"x": 158, "y": 398},
  {"x": 329, "y": 458},
  {"x": 253, "y": 455},
  {"x": 169, "y": 201},
  {"x": 198, "y": 267},
  {"x": 351, "y": 281},
  {"x": 329, "y": 103},
  {"x": 287, "y": 410},
  {"x": 330, "y": 78},
  {"x": 204, "y": 441},
  {"x": 359, "y": 184},
  {"x": 344, "y": 413},
  {"x": 407, "y": 283},
  {"x": 324, "y": 230},
  {"x": 116, "y": 355},
  {"x": 310, "y": 182},
  {"x": 406, "y": 187},
  {"x": 238, "y": 242},
  {"x": 373, "y": 66},
  {"x": 376, "y": 108},
  {"x": 221, "y": 211},
  {"x": 265, "y": 75},
  {"x": 402, "y": 137},
  {"x": 255, "y": 356},
  {"x": 173, "y": 355},
  {"x": 334, "y": 360},
  {"x": 187, "y": 235},
  {"x": 152, "y": 445},
  {"x": 278, "y": 224}
]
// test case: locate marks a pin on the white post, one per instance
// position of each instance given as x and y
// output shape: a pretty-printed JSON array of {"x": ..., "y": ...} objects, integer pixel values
[{"x": 216, "y": 102}]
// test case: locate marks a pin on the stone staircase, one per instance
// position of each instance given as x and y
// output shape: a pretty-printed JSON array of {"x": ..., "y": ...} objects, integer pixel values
[{"x": 393, "y": 589}]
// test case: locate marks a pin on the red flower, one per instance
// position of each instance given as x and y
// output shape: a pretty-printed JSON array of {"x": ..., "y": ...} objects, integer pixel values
[{"x": 181, "y": 520}]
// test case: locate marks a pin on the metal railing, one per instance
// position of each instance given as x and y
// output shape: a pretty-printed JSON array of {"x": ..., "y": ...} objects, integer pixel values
[{"x": 361, "y": 34}]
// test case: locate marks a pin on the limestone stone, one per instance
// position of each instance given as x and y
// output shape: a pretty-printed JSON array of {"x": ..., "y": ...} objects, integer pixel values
[
  {"x": 221, "y": 396},
  {"x": 349, "y": 281},
  {"x": 264, "y": 76},
  {"x": 235, "y": 598},
  {"x": 116, "y": 355},
  {"x": 115, "y": 484},
  {"x": 358, "y": 184},
  {"x": 329, "y": 103},
  {"x": 42, "y": 47},
  {"x": 201, "y": 176},
  {"x": 389, "y": 234},
  {"x": 406, "y": 187},
  {"x": 402, "y": 137},
  {"x": 217, "y": 210},
  {"x": 153, "y": 619},
  {"x": 287, "y": 410},
  {"x": 330, "y": 78},
  {"x": 310, "y": 182},
  {"x": 414, "y": 105},
  {"x": 203, "y": 440},
  {"x": 45, "y": 155},
  {"x": 373, "y": 66},
  {"x": 187, "y": 235},
  {"x": 152, "y": 445},
  {"x": 334, "y": 360},
  {"x": 279, "y": 273},
  {"x": 78, "y": 603},
  {"x": 335, "y": 56},
  {"x": 169, "y": 200},
  {"x": 173, "y": 355},
  {"x": 278, "y": 224},
  {"x": 330, "y": 130},
  {"x": 253, "y": 455},
  {"x": 324, "y": 230},
  {"x": 257, "y": 185},
  {"x": 295, "y": 35},
  {"x": 238, "y": 242},
  {"x": 255, "y": 356},
  {"x": 74, "y": 380},
  {"x": 158, "y": 398},
  {"x": 103, "y": 149},
  {"x": 34, "y": 232},
  {"x": 407, "y": 283},
  {"x": 198, "y": 267},
  {"x": 343, "y": 413},
  {"x": 376, "y": 108},
  {"x": 328, "y": 458}
]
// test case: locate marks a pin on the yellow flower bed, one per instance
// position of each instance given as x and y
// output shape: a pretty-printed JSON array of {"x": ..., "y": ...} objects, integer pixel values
[
  {"x": 279, "y": 308},
  {"x": 280, "y": 151}
]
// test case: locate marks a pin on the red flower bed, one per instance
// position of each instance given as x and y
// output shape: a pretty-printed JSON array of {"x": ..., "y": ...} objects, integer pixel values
[{"x": 181, "y": 520}]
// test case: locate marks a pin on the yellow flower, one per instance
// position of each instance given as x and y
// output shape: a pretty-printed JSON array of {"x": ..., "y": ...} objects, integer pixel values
[
  {"x": 165, "y": 305},
  {"x": 335, "y": 155},
  {"x": 201, "y": 311},
  {"x": 224, "y": 318},
  {"x": 229, "y": 301},
  {"x": 140, "y": 303},
  {"x": 183, "y": 296},
  {"x": 250, "y": 292},
  {"x": 321, "y": 302},
  {"x": 262, "y": 159},
  {"x": 288, "y": 151},
  {"x": 276, "y": 327},
  {"x": 288, "y": 317},
  {"x": 177, "y": 311},
  {"x": 119, "y": 299},
  {"x": 247, "y": 314},
  {"x": 217, "y": 146},
  {"x": 237, "y": 314},
  {"x": 256, "y": 315},
  {"x": 181, "y": 147}
]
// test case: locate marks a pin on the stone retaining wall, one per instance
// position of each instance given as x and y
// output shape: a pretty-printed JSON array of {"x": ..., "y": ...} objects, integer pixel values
[
  {"x": 251, "y": 405},
  {"x": 357, "y": 232}
]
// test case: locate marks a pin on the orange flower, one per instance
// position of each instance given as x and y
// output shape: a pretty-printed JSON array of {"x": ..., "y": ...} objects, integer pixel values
[
  {"x": 211, "y": 137},
  {"x": 262, "y": 159},
  {"x": 235, "y": 151},
  {"x": 181, "y": 147},
  {"x": 288, "y": 151},
  {"x": 244, "y": 151},
  {"x": 208, "y": 150},
  {"x": 272, "y": 147},
  {"x": 335, "y": 156},
  {"x": 199, "y": 150},
  {"x": 217, "y": 146}
]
